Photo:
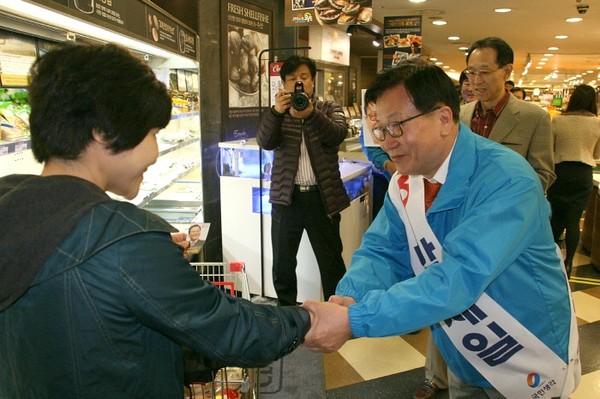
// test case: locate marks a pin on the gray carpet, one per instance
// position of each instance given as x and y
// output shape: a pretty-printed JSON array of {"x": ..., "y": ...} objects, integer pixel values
[{"x": 298, "y": 375}]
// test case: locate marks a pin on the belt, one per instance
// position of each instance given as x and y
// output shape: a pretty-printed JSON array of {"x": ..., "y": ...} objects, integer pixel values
[{"x": 304, "y": 189}]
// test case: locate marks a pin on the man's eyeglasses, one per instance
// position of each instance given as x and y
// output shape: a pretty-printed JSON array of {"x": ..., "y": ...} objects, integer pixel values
[
  {"x": 482, "y": 73},
  {"x": 394, "y": 129}
]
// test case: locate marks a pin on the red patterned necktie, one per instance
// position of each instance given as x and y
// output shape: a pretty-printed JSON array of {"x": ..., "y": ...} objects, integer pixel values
[{"x": 431, "y": 191}]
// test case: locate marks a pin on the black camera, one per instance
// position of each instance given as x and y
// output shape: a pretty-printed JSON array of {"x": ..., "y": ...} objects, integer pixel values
[{"x": 300, "y": 99}]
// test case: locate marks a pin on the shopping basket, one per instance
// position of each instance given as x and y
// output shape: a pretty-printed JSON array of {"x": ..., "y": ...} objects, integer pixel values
[{"x": 229, "y": 382}]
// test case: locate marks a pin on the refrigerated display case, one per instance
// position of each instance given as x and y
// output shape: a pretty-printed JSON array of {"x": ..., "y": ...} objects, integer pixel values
[
  {"x": 172, "y": 187},
  {"x": 246, "y": 216}
]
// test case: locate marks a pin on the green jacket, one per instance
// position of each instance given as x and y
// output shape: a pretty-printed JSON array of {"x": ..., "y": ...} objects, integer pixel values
[{"x": 107, "y": 314}]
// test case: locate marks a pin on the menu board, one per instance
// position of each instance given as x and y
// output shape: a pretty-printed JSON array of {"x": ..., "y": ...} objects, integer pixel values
[{"x": 17, "y": 54}]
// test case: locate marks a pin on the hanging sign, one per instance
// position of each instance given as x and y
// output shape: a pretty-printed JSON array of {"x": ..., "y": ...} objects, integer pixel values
[
  {"x": 402, "y": 39},
  {"x": 327, "y": 12}
]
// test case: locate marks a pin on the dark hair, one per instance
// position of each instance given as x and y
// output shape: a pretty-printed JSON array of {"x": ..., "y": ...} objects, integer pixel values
[
  {"x": 79, "y": 88},
  {"x": 510, "y": 82},
  {"x": 504, "y": 53},
  {"x": 292, "y": 63},
  {"x": 515, "y": 89},
  {"x": 463, "y": 76},
  {"x": 369, "y": 98},
  {"x": 427, "y": 85},
  {"x": 583, "y": 99},
  {"x": 192, "y": 226}
]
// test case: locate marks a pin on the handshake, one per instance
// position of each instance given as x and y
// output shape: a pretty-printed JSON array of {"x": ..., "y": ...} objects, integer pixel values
[{"x": 330, "y": 324}]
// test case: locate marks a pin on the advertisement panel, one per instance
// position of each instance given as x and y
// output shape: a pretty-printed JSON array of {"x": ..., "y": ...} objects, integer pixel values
[
  {"x": 133, "y": 17},
  {"x": 248, "y": 32},
  {"x": 402, "y": 39},
  {"x": 328, "y": 12}
]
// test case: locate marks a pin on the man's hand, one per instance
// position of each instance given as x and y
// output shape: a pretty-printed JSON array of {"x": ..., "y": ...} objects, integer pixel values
[
  {"x": 342, "y": 300},
  {"x": 283, "y": 101},
  {"x": 329, "y": 328}
]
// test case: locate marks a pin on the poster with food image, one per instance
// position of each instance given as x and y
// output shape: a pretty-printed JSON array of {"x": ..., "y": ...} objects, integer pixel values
[
  {"x": 246, "y": 71},
  {"x": 402, "y": 39},
  {"x": 328, "y": 12}
]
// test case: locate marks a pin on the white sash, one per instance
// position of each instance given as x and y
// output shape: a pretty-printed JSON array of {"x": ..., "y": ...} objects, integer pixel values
[{"x": 510, "y": 357}]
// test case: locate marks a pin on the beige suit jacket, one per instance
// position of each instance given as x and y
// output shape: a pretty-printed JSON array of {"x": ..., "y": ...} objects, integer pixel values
[{"x": 525, "y": 128}]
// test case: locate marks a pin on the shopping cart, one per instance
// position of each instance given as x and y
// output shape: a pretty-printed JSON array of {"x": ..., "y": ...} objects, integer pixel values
[{"x": 229, "y": 382}]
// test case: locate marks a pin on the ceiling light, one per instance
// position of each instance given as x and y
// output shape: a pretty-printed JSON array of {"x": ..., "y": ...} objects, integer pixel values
[
  {"x": 453, "y": 38},
  {"x": 435, "y": 59},
  {"x": 538, "y": 67},
  {"x": 463, "y": 48},
  {"x": 377, "y": 41},
  {"x": 553, "y": 48},
  {"x": 439, "y": 63},
  {"x": 548, "y": 55},
  {"x": 574, "y": 19},
  {"x": 439, "y": 22},
  {"x": 351, "y": 29},
  {"x": 541, "y": 63},
  {"x": 560, "y": 37},
  {"x": 502, "y": 10},
  {"x": 417, "y": 1}
]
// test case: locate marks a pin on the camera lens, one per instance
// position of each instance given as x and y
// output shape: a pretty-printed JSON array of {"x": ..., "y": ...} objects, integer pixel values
[{"x": 299, "y": 100}]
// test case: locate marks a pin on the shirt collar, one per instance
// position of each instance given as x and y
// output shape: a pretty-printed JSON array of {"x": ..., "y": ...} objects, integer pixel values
[
  {"x": 496, "y": 109},
  {"x": 442, "y": 172}
]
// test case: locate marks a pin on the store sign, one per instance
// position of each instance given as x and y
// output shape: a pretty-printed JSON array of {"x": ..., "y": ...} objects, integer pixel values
[
  {"x": 327, "y": 12},
  {"x": 402, "y": 39},
  {"x": 248, "y": 29},
  {"x": 329, "y": 44},
  {"x": 132, "y": 17}
]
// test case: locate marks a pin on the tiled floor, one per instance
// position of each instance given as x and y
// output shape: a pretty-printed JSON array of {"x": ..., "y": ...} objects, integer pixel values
[{"x": 392, "y": 367}]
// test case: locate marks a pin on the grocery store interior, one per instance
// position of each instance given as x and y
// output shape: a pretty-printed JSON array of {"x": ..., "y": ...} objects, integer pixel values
[{"x": 209, "y": 161}]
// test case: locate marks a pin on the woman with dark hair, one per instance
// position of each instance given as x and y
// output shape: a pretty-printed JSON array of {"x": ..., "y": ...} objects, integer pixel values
[
  {"x": 98, "y": 301},
  {"x": 576, "y": 148}
]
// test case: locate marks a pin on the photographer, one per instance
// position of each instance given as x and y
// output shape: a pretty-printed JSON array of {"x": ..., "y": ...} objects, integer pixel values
[{"x": 306, "y": 188}]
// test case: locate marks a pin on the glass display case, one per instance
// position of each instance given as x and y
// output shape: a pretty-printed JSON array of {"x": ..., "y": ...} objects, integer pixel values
[{"x": 245, "y": 172}]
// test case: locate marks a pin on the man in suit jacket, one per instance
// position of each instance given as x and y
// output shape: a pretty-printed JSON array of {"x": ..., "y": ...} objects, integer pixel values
[{"x": 499, "y": 116}]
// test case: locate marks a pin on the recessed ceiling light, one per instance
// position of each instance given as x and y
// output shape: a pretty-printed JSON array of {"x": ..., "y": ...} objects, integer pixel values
[
  {"x": 552, "y": 48},
  {"x": 541, "y": 63},
  {"x": 560, "y": 37},
  {"x": 453, "y": 38},
  {"x": 544, "y": 59},
  {"x": 417, "y": 1},
  {"x": 538, "y": 67},
  {"x": 433, "y": 59},
  {"x": 439, "y": 22},
  {"x": 445, "y": 67},
  {"x": 590, "y": 71},
  {"x": 439, "y": 63},
  {"x": 502, "y": 10},
  {"x": 574, "y": 19},
  {"x": 548, "y": 55},
  {"x": 463, "y": 48}
]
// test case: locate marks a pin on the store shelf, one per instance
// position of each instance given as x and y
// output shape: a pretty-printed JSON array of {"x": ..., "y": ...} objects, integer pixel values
[{"x": 9, "y": 147}]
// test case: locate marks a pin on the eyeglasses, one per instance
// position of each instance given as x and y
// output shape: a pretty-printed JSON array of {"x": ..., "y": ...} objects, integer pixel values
[
  {"x": 394, "y": 129},
  {"x": 482, "y": 73},
  {"x": 372, "y": 117}
]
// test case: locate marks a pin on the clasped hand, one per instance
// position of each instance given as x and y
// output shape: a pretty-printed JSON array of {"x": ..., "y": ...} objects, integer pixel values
[{"x": 330, "y": 324}]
